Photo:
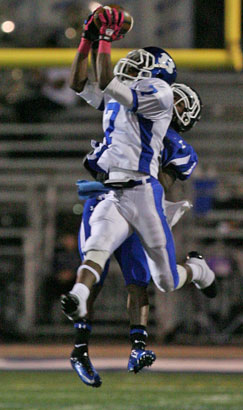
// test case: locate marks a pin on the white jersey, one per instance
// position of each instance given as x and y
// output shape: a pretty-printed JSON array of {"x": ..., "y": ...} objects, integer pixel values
[{"x": 136, "y": 133}]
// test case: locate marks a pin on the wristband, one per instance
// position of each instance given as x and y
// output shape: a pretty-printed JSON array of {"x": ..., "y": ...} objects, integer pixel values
[
  {"x": 104, "y": 47},
  {"x": 84, "y": 46}
]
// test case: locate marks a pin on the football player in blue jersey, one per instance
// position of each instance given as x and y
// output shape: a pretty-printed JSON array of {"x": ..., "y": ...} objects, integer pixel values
[{"x": 138, "y": 107}]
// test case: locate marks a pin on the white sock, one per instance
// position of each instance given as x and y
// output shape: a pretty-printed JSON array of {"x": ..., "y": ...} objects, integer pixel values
[
  {"x": 196, "y": 271},
  {"x": 81, "y": 291}
]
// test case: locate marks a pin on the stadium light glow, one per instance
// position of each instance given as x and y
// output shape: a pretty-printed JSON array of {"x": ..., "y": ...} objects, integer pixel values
[
  {"x": 70, "y": 33},
  {"x": 8, "y": 26},
  {"x": 77, "y": 209},
  {"x": 17, "y": 74},
  {"x": 93, "y": 5}
]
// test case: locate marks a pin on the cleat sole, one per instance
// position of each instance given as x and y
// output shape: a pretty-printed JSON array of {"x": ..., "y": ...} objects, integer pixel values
[{"x": 145, "y": 361}]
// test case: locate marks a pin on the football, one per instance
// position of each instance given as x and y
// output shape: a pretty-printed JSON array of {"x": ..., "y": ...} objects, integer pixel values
[{"x": 128, "y": 19}]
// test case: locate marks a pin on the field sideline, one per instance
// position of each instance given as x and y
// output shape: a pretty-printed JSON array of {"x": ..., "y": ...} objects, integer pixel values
[{"x": 114, "y": 357}]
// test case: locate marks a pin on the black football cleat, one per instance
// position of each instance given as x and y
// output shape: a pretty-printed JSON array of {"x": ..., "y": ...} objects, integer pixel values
[{"x": 69, "y": 305}]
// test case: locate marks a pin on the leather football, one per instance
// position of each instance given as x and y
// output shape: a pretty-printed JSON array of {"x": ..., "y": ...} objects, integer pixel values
[{"x": 128, "y": 19}]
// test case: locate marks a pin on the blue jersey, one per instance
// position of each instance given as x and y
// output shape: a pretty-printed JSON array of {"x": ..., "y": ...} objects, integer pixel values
[{"x": 176, "y": 153}]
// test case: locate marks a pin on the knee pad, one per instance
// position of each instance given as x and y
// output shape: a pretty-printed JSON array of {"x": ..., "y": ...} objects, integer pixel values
[{"x": 99, "y": 257}]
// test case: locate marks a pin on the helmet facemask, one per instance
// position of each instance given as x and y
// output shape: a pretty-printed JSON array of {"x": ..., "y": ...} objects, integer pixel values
[
  {"x": 184, "y": 120},
  {"x": 146, "y": 62},
  {"x": 135, "y": 66}
]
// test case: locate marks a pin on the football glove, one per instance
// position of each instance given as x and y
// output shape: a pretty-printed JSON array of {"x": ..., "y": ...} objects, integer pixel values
[
  {"x": 111, "y": 24},
  {"x": 90, "y": 30}
]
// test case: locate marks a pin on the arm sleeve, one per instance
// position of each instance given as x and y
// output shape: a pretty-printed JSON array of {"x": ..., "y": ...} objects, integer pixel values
[
  {"x": 93, "y": 95},
  {"x": 179, "y": 157},
  {"x": 120, "y": 92}
]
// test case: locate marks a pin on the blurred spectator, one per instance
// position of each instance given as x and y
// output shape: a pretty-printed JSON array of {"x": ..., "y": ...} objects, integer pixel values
[
  {"x": 56, "y": 87},
  {"x": 72, "y": 16},
  {"x": 229, "y": 195},
  {"x": 41, "y": 94},
  {"x": 62, "y": 278},
  {"x": 204, "y": 184},
  {"x": 225, "y": 264}
]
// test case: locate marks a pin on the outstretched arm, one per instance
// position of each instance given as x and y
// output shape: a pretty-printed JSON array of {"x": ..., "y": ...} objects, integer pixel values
[
  {"x": 111, "y": 22},
  {"x": 104, "y": 66},
  {"x": 79, "y": 72},
  {"x": 79, "y": 68}
]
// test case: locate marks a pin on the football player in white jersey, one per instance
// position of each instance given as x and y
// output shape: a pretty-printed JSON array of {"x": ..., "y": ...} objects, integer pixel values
[{"x": 138, "y": 105}]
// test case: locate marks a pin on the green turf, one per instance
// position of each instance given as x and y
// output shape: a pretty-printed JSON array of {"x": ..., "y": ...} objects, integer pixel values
[{"x": 121, "y": 391}]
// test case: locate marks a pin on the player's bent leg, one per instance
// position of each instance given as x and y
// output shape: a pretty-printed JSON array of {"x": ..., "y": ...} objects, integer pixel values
[
  {"x": 202, "y": 276},
  {"x": 163, "y": 268},
  {"x": 74, "y": 303}
]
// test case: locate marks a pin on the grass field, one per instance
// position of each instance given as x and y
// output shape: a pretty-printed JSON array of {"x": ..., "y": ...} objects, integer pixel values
[{"x": 121, "y": 391}]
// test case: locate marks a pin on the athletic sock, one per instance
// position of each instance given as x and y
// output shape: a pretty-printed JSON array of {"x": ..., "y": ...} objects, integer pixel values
[
  {"x": 83, "y": 330},
  {"x": 138, "y": 336},
  {"x": 197, "y": 271}
]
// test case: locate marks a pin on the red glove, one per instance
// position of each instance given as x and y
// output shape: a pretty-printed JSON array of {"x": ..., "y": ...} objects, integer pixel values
[{"x": 111, "y": 24}]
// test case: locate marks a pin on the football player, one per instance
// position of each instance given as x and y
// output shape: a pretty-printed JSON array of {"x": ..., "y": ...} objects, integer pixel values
[
  {"x": 177, "y": 162},
  {"x": 138, "y": 107}
]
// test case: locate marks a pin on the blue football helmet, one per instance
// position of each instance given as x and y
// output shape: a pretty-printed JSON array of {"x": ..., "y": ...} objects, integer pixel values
[
  {"x": 146, "y": 63},
  {"x": 187, "y": 107}
]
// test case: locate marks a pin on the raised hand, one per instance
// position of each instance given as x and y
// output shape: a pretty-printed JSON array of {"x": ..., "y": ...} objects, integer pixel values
[
  {"x": 90, "y": 30},
  {"x": 111, "y": 23}
]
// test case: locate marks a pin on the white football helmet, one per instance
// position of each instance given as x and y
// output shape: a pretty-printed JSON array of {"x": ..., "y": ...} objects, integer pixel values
[
  {"x": 146, "y": 62},
  {"x": 185, "y": 120}
]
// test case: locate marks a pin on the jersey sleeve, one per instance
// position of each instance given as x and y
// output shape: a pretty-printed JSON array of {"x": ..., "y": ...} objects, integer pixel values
[
  {"x": 93, "y": 95},
  {"x": 151, "y": 97},
  {"x": 94, "y": 156},
  {"x": 179, "y": 156}
]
